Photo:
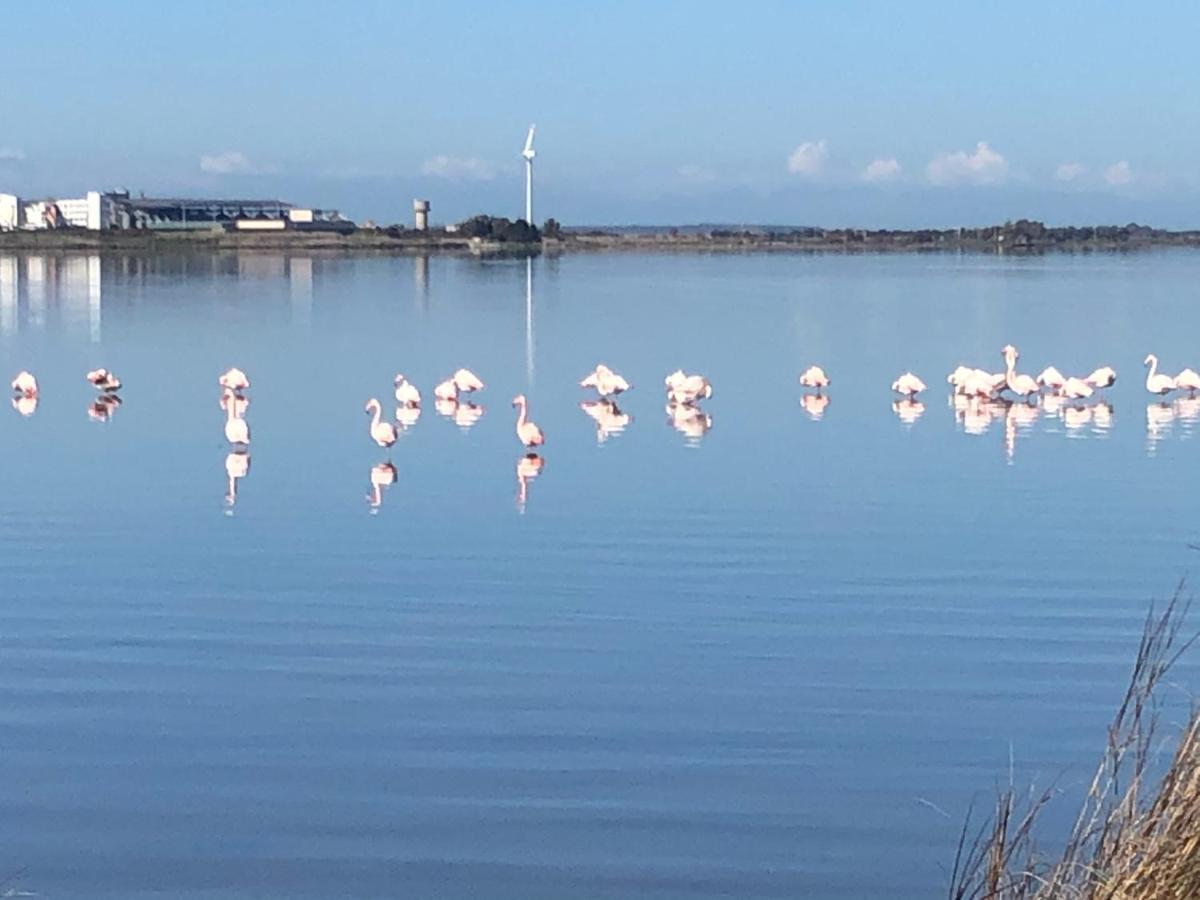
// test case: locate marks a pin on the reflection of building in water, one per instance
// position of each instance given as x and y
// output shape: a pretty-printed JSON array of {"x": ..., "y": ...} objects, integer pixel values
[
  {"x": 421, "y": 281},
  {"x": 300, "y": 280},
  {"x": 79, "y": 292},
  {"x": 8, "y": 294},
  {"x": 35, "y": 291},
  {"x": 262, "y": 265}
]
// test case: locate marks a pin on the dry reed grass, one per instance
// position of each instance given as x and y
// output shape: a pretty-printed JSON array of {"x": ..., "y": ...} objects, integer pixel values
[{"x": 1137, "y": 837}]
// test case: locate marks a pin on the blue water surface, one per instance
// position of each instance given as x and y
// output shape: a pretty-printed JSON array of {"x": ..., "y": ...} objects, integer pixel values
[{"x": 776, "y": 651}]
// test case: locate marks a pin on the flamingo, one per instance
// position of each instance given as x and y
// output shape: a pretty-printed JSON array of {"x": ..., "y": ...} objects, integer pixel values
[
  {"x": 237, "y": 432},
  {"x": 1076, "y": 389},
  {"x": 956, "y": 378},
  {"x": 1102, "y": 378},
  {"x": 1052, "y": 378},
  {"x": 1021, "y": 385},
  {"x": 25, "y": 384},
  {"x": 1188, "y": 380},
  {"x": 235, "y": 380},
  {"x": 446, "y": 390},
  {"x": 687, "y": 388},
  {"x": 103, "y": 380},
  {"x": 467, "y": 381},
  {"x": 527, "y": 432},
  {"x": 814, "y": 377},
  {"x": 606, "y": 382},
  {"x": 383, "y": 433},
  {"x": 1156, "y": 382},
  {"x": 908, "y": 384},
  {"x": 407, "y": 394}
]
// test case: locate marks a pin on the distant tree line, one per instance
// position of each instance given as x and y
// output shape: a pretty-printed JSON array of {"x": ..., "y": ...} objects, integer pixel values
[{"x": 500, "y": 229}]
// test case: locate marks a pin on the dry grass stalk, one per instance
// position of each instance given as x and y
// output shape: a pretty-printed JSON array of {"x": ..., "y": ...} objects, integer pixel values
[{"x": 1133, "y": 840}]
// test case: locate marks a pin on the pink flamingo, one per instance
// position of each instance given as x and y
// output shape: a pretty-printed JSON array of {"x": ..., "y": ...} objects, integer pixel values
[{"x": 527, "y": 432}]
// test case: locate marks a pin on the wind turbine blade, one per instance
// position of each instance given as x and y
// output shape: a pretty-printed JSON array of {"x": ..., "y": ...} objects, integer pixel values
[{"x": 529, "y": 139}]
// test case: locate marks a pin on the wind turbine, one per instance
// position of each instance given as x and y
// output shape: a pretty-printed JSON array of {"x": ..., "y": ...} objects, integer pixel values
[{"x": 529, "y": 154}]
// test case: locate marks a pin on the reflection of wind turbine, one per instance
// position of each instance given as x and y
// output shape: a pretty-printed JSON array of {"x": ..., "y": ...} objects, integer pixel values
[
  {"x": 529, "y": 319},
  {"x": 529, "y": 154}
]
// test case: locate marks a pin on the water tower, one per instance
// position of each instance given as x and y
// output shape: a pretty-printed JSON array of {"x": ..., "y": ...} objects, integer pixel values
[{"x": 421, "y": 215}]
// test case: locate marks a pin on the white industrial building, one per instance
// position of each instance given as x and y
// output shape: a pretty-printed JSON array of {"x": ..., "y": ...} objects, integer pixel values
[
  {"x": 95, "y": 211},
  {"x": 99, "y": 211}
]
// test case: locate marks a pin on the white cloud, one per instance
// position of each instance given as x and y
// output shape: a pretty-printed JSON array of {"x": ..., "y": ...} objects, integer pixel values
[
  {"x": 11, "y": 154},
  {"x": 982, "y": 166},
  {"x": 1119, "y": 173},
  {"x": 1069, "y": 171},
  {"x": 469, "y": 169},
  {"x": 884, "y": 169},
  {"x": 696, "y": 174},
  {"x": 231, "y": 162},
  {"x": 809, "y": 158}
]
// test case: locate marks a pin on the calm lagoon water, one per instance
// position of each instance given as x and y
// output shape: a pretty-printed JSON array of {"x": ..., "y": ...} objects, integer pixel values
[{"x": 779, "y": 657}]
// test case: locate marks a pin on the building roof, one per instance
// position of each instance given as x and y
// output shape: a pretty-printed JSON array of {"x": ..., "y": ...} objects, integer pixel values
[{"x": 150, "y": 202}]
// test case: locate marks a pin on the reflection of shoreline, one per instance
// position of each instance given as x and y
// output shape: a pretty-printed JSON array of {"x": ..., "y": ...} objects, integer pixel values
[{"x": 41, "y": 290}]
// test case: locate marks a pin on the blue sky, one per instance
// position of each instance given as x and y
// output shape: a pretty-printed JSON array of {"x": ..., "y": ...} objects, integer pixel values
[{"x": 866, "y": 114}]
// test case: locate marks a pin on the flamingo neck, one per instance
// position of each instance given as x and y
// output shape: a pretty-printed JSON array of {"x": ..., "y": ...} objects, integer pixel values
[
  {"x": 375, "y": 417},
  {"x": 1153, "y": 367},
  {"x": 521, "y": 414}
]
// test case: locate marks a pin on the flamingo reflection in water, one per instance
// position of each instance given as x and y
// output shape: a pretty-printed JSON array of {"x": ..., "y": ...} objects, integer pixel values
[
  {"x": 1160, "y": 419},
  {"x": 529, "y": 467},
  {"x": 464, "y": 413},
  {"x": 237, "y": 466},
  {"x": 814, "y": 405},
  {"x": 975, "y": 414},
  {"x": 25, "y": 404},
  {"x": 908, "y": 410},
  {"x": 1019, "y": 417},
  {"x": 104, "y": 407},
  {"x": 609, "y": 418},
  {"x": 406, "y": 417},
  {"x": 690, "y": 421},
  {"x": 383, "y": 475}
]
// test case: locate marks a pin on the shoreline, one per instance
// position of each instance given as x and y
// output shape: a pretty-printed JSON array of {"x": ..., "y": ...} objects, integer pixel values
[{"x": 1020, "y": 238}]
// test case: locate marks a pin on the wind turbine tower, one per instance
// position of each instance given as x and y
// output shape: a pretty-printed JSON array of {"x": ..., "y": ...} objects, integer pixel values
[{"x": 529, "y": 154}]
